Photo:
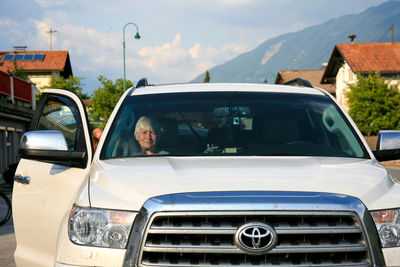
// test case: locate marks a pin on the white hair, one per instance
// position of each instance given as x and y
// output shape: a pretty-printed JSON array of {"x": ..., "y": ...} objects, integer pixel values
[{"x": 146, "y": 123}]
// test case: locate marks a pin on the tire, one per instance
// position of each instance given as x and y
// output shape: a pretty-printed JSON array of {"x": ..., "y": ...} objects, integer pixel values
[{"x": 5, "y": 209}]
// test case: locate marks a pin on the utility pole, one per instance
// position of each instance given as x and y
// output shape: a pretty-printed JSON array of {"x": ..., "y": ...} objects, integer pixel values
[
  {"x": 51, "y": 37},
  {"x": 295, "y": 64},
  {"x": 392, "y": 28}
]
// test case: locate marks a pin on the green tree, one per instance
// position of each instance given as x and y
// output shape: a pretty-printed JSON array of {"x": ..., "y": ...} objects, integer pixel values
[
  {"x": 72, "y": 83},
  {"x": 19, "y": 72},
  {"x": 105, "y": 98},
  {"x": 374, "y": 104},
  {"x": 207, "y": 78}
]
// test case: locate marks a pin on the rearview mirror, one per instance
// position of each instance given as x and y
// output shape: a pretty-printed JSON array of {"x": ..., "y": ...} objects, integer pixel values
[{"x": 233, "y": 111}]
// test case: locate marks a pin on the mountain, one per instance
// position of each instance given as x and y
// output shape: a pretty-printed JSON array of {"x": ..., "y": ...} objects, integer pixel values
[{"x": 310, "y": 47}]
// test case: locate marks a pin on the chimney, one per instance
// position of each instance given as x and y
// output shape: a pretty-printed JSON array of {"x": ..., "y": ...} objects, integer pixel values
[
  {"x": 20, "y": 48},
  {"x": 352, "y": 37}
]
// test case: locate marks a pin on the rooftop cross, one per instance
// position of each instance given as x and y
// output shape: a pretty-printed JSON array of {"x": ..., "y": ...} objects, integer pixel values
[{"x": 51, "y": 37}]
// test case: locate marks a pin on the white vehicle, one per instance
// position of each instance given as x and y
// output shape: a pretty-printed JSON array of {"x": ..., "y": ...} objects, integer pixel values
[{"x": 233, "y": 174}]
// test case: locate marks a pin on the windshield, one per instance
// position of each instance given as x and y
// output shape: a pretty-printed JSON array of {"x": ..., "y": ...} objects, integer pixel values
[{"x": 231, "y": 124}]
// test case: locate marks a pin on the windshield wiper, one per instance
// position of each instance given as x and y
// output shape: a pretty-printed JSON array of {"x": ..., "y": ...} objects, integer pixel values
[{"x": 192, "y": 129}]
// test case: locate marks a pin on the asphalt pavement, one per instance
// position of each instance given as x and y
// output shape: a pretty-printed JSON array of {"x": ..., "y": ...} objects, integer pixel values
[{"x": 7, "y": 236}]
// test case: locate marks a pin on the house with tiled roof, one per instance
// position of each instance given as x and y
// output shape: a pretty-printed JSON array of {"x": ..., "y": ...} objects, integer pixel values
[
  {"x": 39, "y": 65},
  {"x": 349, "y": 59},
  {"x": 313, "y": 76}
]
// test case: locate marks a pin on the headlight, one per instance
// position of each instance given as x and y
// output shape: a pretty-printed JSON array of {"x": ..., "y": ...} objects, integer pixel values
[
  {"x": 99, "y": 227},
  {"x": 388, "y": 224}
]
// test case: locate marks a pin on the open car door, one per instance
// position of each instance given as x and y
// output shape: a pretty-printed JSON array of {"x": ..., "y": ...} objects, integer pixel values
[{"x": 44, "y": 192}]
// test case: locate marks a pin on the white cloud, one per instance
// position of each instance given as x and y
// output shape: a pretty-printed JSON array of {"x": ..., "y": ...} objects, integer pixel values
[
  {"x": 167, "y": 62},
  {"x": 101, "y": 53},
  {"x": 166, "y": 54},
  {"x": 13, "y": 33},
  {"x": 203, "y": 59},
  {"x": 233, "y": 49},
  {"x": 92, "y": 50},
  {"x": 6, "y": 22},
  {"x": 49, "y": 3},
  {"x": 59, "y": 15},
  {"x": 234, "y": 2},
  {"x": 96, "y": 52},
  {"x": 41, "y": 38},
  {"x": 195, "y": 51},
  {"x": 170, "y": 62}
]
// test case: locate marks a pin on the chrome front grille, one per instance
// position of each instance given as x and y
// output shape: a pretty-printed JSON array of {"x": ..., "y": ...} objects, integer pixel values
[{"x": 314, "y": 238}]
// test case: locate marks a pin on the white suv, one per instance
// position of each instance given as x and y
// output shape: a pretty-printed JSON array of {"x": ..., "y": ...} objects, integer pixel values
[{"x": 205, "y": 174}]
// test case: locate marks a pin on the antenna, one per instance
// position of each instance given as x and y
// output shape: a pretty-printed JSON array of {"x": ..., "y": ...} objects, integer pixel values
[
  {"x": 51, "y": 37},
  {"x": 390, "y": 29}
]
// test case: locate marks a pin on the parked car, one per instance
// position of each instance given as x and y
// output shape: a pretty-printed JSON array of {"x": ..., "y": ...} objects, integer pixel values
[{"x": 204, "y": 175}]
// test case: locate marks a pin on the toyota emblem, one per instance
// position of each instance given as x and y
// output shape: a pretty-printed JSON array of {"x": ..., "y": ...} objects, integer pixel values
[{"x": 256, "y": 238}]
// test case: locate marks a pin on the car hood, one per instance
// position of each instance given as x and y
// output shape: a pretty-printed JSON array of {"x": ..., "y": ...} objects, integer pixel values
[{"x": 127, "y": 183}]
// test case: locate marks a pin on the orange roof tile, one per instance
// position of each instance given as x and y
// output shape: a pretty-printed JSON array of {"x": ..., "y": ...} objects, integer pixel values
[
  {"x": 53, "y": 61},
  {"x": 365, "y": 57}
]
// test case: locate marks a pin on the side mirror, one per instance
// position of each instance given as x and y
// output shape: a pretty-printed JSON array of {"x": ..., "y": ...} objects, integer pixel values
[
  {"x": 44, "y": 140},
  {"x": 388, "y": 145},
  {"x": 50, "y": 146}
]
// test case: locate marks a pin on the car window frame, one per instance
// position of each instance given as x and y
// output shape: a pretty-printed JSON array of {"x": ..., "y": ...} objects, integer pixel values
[{"x": 80, "y": 142}]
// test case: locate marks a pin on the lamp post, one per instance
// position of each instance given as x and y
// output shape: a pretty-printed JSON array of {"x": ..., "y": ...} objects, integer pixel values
[{"x": 137, "y": 37}]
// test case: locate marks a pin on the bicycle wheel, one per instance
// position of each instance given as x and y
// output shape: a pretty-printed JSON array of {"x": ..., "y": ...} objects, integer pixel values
[{"x": 5, "y": 208}]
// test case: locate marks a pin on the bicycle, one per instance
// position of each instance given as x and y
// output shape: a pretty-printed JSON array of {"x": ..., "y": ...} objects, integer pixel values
[{"x": 5, "y": 208}]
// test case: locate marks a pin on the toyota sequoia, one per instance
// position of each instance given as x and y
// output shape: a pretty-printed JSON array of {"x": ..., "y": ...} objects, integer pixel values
[{"x": 205, "y": 175}]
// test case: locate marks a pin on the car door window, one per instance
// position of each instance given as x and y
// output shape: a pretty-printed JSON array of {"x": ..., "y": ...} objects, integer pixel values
[{"x": 60, "y": 113}]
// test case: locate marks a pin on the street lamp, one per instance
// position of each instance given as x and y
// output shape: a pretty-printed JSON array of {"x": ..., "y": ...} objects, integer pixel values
[{"x": 137, "y": 37}]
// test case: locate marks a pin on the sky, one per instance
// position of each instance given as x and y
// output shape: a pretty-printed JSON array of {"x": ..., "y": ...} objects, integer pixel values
[{"x": 180, "y": 39}]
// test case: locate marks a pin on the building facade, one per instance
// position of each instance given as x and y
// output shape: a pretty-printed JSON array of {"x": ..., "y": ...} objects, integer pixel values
[
  {"x": 17, "y": 104},
  {"x": 348, "y": 60}
]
